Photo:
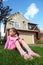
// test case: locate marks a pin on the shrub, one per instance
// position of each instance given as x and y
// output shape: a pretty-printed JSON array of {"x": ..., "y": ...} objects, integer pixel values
[
  {"x": 2, "y": 41},
  {"x": 39, "y": 42}
]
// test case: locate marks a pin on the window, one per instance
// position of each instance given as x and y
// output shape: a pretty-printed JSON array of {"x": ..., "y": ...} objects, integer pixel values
[
  {"x": 24, "y": 25},
  {"x": 29, "y": 26},
  {"x": 15, "y": 24}
]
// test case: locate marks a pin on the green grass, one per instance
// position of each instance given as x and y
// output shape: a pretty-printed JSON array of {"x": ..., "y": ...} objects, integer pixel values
[{"x": 13, "y": 57}]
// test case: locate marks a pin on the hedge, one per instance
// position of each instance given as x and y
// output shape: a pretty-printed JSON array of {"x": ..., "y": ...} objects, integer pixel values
[
  {"x": 39, "y": 42},
  {"x": 2, "y": 41}
]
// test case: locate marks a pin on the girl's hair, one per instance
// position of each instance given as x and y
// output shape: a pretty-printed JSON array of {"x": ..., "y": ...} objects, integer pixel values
[{"x": 14, "y": 30}]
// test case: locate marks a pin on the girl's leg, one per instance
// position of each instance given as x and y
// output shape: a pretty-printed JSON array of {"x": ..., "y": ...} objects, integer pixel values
[
  {"x": 21, "y": 51},
  {"x": 30, "y": 52}
]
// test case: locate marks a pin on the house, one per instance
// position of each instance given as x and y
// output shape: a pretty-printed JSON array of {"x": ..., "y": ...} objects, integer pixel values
[
  {"x": 28, "y": 31},
  {"x": 41, "y": 32}
]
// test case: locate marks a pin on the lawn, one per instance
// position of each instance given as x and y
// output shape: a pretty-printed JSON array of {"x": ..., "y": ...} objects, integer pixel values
[{"x": 13, "y": 57}]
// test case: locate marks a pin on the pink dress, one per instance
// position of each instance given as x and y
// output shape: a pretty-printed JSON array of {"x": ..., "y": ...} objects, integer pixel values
[{"x": 10, "y": 43}]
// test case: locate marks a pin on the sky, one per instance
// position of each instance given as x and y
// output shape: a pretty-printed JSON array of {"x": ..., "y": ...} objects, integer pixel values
[{"x": 31, "y": 9}]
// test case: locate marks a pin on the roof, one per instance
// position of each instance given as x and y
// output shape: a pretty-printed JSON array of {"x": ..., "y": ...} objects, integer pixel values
[
  {"x": 24, "y": 30},
  {"x": 8, "y": 17},
  {"x": 32, "y": 23}
]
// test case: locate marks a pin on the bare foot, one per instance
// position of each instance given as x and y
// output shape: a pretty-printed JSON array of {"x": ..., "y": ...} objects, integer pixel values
[
  {"x": 34, "y": 54},
  {"x": 26, "y": 56}
]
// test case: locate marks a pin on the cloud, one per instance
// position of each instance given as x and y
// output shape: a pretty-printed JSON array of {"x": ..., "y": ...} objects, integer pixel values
[
  {"x": 32, "y": 10},
  {"x": 5, "y": 0}
]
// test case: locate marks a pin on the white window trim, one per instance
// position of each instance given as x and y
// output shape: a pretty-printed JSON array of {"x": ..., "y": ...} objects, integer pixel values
[
  {"x": 14, "y": 25},
  {"x": 25, "y": 26}
]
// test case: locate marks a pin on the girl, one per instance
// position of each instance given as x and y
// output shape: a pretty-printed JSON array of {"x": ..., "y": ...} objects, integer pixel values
[{"x": 14, "y": 42}]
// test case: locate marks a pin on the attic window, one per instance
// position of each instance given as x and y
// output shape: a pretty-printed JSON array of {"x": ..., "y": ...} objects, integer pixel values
[
  {"x": 24, "y": 25},
  {"x": 29, "y": 27}
]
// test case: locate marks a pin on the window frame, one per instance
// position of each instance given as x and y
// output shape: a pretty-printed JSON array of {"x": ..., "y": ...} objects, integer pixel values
[{"x": 15, "y": 24}]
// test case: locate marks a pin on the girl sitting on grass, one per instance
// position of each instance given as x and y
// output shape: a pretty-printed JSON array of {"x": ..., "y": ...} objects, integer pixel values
[{"x": 15, "y": 42}]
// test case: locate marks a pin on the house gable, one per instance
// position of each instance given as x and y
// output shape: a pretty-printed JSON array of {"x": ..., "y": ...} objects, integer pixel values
[
  {"x": 32, "y": 26},
  {"x": 17, "y": 17},
  {"x": 21, "y": 21},
  {"x": 30, "y": 29}
]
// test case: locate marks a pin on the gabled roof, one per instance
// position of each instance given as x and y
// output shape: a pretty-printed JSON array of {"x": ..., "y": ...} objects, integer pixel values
[
  {"x": 16, "y": 13},
  {"x": 32, "y": 23},
  {"x": 10, "y": 16}
]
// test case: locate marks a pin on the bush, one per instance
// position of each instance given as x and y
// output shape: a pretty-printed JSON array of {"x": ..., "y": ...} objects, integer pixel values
[
  {"x": 39, "y": 42},
  {"x": 2, "y": 41}
]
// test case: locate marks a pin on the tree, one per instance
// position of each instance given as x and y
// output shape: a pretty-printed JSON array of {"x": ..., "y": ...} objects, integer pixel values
[{"x": 4, "y": 12}]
